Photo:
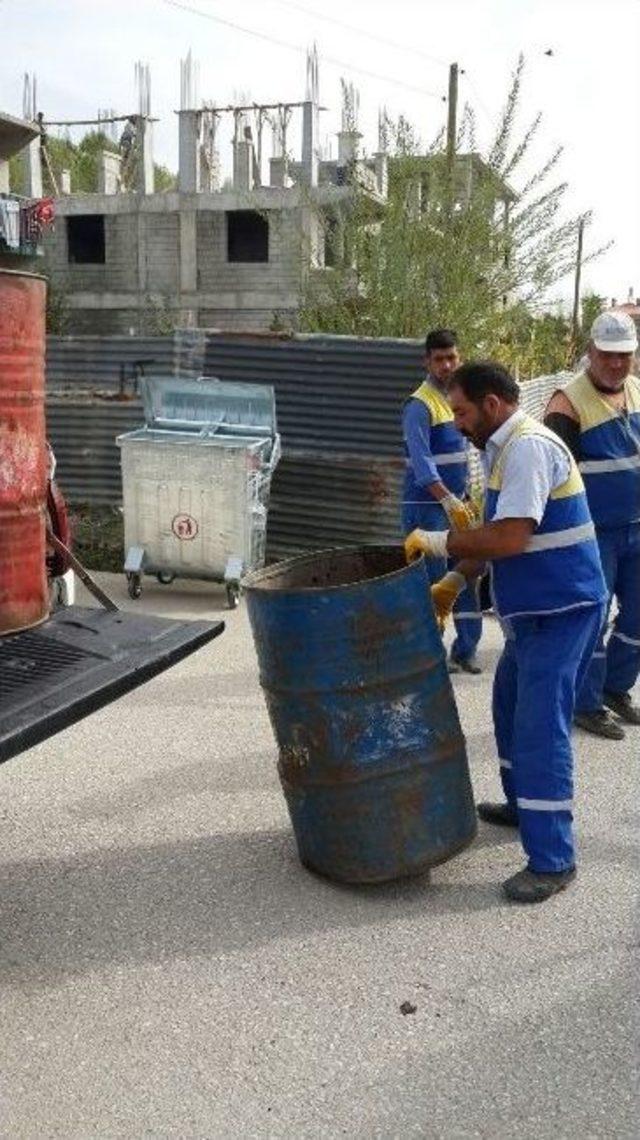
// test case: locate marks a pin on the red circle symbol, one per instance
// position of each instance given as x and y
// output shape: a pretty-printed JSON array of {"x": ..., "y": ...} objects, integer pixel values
[{"x": 184, "y": 527}]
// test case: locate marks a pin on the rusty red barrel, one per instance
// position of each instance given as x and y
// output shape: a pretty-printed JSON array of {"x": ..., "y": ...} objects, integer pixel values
[{"x": 24, "y": 599}]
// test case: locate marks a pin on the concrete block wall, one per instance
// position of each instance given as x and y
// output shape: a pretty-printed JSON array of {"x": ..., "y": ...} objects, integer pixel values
[
  {"x": 102, "y": 322},
  {"x": 161, "y": 252},
  {"x": 121, "y": 250},
  {"x": 141, "y": 286},
  {"x": 120, "y": 271},
  {"x": 246, "y": 320},
  {"x": 280, "y": 274}
]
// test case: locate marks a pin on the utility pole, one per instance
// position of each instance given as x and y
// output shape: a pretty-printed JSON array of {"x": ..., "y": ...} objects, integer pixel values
[
  {"x": 452, "y": 128},
  {"x": 575, "y": 320}
]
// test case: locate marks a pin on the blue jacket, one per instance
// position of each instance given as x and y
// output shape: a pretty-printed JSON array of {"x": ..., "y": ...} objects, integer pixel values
[
  {"x": 434, "y": 448},
  {"x": 609, "y": 451},
  {"x": 560, "y": 568}
]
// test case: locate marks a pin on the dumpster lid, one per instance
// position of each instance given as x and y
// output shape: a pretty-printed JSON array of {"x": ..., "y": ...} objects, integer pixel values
[
  {"x": 208, "y": 404},
  {"x": 79, "y": 660}
]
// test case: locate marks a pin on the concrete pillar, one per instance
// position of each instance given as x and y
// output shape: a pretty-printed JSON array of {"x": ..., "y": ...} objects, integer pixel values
[
  {"x": 313, "y": 237},
  {"x": 108, "y": 173},
  {"x": 310, "y": 143},
  {"x": 243, "y": 165},
  {"x": 4, "y": 176},
  {"x": 143, "y": 286},
  {"x": 65, "y": 181},
  {"x": 348, "y": 143},
  {"x": 189, "y": 152},
  {"x": 210, "y": 173},
  {"x": 32, "y": 169},
  {"x": 145, "y": 156},
  {"x": 381, "y": 167},
  {"x": 188, "y": 254},
  {"x": 279, "y": 172},
  {"x": 414, "y": 199}
]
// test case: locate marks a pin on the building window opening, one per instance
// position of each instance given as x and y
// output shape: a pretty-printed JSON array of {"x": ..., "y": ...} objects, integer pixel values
[
  {"x": 332, "y": 242},
  {"x": 247, "y": 236},
  {"x": 85, "y": 239}
]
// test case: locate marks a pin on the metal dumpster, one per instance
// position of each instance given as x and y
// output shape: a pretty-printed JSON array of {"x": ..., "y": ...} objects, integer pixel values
[
  {"x": 196, "y": 481},
  {"x": 372, "y": 756}
]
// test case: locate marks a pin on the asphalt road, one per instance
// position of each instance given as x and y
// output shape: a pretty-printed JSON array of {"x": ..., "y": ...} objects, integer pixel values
[{"x": 169, "y": 969}]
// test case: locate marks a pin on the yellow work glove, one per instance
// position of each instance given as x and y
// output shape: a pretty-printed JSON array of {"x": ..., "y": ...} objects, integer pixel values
[
  {"x": 460, "y": 515},
  {"x": 433, "y": 543},
  {"x": 444, "y": 594}
]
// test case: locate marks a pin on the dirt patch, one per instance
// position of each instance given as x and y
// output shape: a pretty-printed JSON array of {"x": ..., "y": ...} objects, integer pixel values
[{"x": 98, "y": 536}]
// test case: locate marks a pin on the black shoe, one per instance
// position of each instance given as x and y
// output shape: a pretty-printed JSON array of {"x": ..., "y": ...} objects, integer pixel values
[
  {"x": 464, "y": 664},
  {"x": 504, "y": 814},
  {"x": 537, "y": 886},
  {"x": 623, "y": 706},
  {"x": 600, "y": 723}
]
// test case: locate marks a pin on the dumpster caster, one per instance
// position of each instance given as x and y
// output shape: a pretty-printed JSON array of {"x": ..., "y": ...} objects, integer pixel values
[
  {"x": 233, "y": 597},
  {"x": 165, "y": 577},
  {"x": 134, "y": 586}
]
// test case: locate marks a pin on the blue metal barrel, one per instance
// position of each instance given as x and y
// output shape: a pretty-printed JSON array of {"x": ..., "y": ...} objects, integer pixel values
[{"x": 372, "y": 757}]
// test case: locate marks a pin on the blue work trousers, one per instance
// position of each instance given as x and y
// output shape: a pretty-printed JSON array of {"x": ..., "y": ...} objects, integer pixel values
[
  {"x": 467, "y": 615},
  {"x": 542, "y": 665},
  {"x": 616, "y": 667}
]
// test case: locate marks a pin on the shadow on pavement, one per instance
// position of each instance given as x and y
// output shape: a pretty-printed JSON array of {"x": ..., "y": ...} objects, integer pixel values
[{"x": 206, "y": 896}]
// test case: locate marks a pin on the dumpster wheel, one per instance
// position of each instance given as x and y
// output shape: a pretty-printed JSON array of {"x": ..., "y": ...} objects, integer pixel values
[
  {"x": 165, "y": 577},
  {"x": 134, "y": 586},
  {"x": 233, "y": 595}
]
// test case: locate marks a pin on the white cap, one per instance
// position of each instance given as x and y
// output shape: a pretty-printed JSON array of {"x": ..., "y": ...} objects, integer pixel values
[{"x": 614, "y": 331}]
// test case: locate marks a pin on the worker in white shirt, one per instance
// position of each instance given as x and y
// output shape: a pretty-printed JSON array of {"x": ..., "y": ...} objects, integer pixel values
[{"x": 549, "y": 593}]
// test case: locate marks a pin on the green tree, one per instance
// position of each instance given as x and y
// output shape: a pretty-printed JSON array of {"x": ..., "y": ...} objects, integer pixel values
[
  {"x": 82, "y": 160},
  {"x": 590, "y": 306},
  {"x": 476, "y": 249}
]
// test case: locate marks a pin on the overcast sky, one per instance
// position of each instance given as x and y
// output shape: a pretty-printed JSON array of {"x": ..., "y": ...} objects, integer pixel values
[{"x": 83, "y": 53}]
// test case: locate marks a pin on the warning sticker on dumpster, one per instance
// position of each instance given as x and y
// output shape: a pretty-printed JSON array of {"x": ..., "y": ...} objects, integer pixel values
[{"x": 184, "y": 527}]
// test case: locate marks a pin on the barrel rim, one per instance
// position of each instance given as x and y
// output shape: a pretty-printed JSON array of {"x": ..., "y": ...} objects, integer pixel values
[
  {"x": 253, "y": 582},
  {"x": 22, "y": 273}
]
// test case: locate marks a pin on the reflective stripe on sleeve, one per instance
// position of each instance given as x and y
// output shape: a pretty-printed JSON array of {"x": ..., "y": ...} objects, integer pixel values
[
  {"x": 443, "y": 460},
  {"x": 450, "y": 457},
  {"x": 605, "y": 466},
  {"x": 545, "y": 805},
  {"x": 559, "y": 538}
]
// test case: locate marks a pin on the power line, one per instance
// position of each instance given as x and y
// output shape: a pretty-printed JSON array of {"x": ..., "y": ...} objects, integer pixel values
[
  {"x": 474, "y": 91},
  {"x": 296, "y": 47},
  {"x": 362, "y": 32}
]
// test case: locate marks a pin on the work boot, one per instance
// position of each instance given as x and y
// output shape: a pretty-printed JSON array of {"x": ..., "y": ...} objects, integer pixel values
[
  {"x": 599, "y": 723},
  {"x": 506, "y": 815},
  {"x": 623, "y": 706},
  {"x": 537, "y": 886},
  {"x": 464, "y": 665}
]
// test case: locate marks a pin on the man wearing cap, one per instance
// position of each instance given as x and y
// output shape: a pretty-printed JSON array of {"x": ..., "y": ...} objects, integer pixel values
[
  {"x": 598, "y": 416},
  {"x": 436, "y": 476}
]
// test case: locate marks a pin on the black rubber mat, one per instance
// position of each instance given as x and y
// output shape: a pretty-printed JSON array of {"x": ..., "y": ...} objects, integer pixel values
[{"x": 78, "y": 661}]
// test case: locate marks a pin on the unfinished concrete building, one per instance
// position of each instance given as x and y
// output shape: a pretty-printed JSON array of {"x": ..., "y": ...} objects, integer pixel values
[{"x": 232, "y": 256}]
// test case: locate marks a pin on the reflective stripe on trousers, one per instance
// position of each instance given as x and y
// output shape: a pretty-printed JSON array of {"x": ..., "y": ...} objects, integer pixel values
[
  {"x": 617, "y": 667},
  {"x": 533, "y": 702}
]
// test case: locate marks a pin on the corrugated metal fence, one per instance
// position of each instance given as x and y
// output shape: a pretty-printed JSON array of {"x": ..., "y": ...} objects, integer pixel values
[{"x": 338, "y": 399}]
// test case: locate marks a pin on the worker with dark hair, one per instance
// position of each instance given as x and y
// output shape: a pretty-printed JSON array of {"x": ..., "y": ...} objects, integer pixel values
[
  {"x": 549, "y": 593},
  {"x": 436, "y": 481},
  {"x": 598, "y": 416}
]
